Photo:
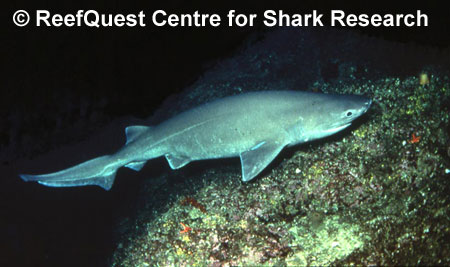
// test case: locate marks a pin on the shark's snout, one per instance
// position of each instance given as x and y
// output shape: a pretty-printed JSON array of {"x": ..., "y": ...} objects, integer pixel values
[{"x": 367, "y": 104}]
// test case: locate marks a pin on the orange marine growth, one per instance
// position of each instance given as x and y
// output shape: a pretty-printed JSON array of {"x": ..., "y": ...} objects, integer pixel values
[
  {"x": 414, "y": 139},
  {"x": 186, "y": 228}
]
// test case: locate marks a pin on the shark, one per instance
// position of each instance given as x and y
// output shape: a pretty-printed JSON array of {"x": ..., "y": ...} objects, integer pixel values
[{"x": 254, "y": 126}]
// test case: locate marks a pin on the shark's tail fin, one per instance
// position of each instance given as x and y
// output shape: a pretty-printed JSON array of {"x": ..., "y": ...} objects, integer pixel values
[{"x": 100, "y": 171}]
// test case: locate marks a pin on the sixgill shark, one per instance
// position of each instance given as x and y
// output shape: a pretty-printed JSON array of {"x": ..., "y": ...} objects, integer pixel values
[{"x": 254, "y": 126}]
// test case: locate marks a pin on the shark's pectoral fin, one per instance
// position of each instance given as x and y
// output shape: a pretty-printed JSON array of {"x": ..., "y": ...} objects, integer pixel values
[
  {"x": 176, "y": 161},
  {"x": 256, "y": 159},
  {"x": 137, "y": 166}
]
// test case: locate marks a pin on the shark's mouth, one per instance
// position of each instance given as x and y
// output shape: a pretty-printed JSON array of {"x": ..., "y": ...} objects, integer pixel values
[{"x": 336, "y": 129}]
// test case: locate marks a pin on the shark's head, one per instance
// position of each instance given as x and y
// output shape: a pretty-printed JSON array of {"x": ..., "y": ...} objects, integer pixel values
[{"x": 333, "y": 113}]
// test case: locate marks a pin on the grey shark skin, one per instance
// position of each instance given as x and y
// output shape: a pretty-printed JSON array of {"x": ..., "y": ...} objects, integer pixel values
[{"x": 254, "y": 126}]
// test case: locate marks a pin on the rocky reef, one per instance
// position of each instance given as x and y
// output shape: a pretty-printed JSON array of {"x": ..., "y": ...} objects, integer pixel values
[{"x": 375, "y": 194}]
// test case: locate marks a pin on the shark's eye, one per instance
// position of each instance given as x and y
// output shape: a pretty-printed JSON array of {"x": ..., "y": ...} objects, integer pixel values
[{"x": 349, "y": 114}]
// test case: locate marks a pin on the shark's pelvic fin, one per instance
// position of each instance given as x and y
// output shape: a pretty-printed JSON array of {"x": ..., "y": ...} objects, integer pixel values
[{"x": 176, "y": 162}]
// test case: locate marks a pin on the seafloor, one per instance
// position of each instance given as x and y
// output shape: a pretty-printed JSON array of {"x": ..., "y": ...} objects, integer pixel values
[{"x": 375, "y": 194}]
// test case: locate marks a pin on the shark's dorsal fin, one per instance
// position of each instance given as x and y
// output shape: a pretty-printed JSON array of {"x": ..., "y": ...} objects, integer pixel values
[
  {"x": 134, "y": 131},
  {"x": 257, "y": 158}
]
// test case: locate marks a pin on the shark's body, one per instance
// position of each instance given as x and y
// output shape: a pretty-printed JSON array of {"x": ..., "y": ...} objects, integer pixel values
[{"x": 254, "y": 126}]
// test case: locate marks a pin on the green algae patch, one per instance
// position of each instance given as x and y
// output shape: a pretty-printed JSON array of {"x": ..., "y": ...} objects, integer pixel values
[{"x": 322, "y": 244}]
